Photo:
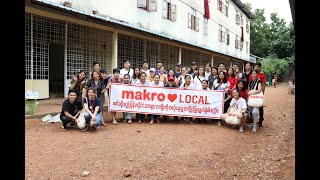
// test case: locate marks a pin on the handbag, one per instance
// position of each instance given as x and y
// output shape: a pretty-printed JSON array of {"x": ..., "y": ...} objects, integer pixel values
[
  {"x": 232, "y": 116},
  {"x": 81, "y": 122},
  {"x": 256, "y": 100}
]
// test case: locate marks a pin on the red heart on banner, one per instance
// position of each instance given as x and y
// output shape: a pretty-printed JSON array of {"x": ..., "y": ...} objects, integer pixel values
[{"x": 172, "y": 97}]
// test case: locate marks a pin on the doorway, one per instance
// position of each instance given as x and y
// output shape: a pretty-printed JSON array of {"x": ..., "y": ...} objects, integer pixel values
[{"x": 56, "y": 70}]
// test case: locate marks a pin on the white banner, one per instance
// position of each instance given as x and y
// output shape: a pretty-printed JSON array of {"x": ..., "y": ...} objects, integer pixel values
[{"x": 166, "y": 101}]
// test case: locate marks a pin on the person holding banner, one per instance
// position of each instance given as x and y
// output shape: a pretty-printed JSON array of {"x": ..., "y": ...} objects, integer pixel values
[
  {"x": 188, "y": 85},
  {"x": 239, "y": 103},
  {"x": 171, "y": 83},
  {"x": 156, "y": 83},
  {"x": 126, "y": 115},
  {"x": 222, "y": 84},
  {"x": 142, "y": 82},
  {"x": 255, "y": 87},
  {"x": 114, "y": 79}
]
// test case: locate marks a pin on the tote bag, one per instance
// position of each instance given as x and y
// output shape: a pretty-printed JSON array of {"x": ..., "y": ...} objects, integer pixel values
[
  {"x": 232, "y": 116},
  {"x": 81, "y": 122},
  {"x": 256, "y": 100}
]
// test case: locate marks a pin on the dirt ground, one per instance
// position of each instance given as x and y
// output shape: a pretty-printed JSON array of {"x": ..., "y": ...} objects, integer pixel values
[{"x": 167, "y": 151}]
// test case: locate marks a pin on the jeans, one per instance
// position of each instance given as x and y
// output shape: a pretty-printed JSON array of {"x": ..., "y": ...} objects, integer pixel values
[
  {"x": 155, "y": 117},
  {"x": 127, "y": 115},
  {"x": 65, "y": 120},
  {"x": 97, "y": 122},
  {"x": 140, "y": 116}
]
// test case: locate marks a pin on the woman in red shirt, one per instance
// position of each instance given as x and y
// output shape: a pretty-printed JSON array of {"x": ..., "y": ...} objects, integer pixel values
[
  {"x": 232, "y": 78},
  {"x": 243, "y": 91}
]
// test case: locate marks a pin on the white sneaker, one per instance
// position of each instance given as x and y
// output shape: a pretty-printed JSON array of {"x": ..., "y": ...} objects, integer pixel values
[
  {"x": 114, "y": 122},
  {"x": 241, "y": 129},
  {"x": 254, "y": 129},
  {"x": 129, "y": 121},
  {"x": 219, "y": 123},
  {"x": 151, "y": 122}
]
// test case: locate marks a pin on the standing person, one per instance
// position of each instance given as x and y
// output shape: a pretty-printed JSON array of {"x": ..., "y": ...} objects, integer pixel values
[
  {"x": 127, "y": 116},
  {"x": 181, "y": 79},
  {"x": 207, "y": 71},
  {"x": 114, "y": 79},
  {"x": 263, "y": 79},
  {"x": 158, "y": 66},
  {"x": 199, "y": 77},
  {"x": 163, "y": 77},
  {"x": 223, "y": 84},
  {"x": 142, "y": 82},
  {"x": 235, "y": 67},
  {"x": 256, "y": 86},
  {"x": 126, "y": 69},
  {"x": 151, "y": 75},
  {"x": 156, "y": 83},
  {"x": 204, "y": 86},
  {"x": 246, "y": 74},
  {"x": 93, "y": 114},
  {"x": 95, "y": 83},
  {"x": 275, "y": 77},
  {"x": 171, "y": 84},
  {"x": 232, "y": 78},
  {"x": 188, "y": 85},
  {"x": 240, "y": 103},
  {"x": 71, "y": 108},
  {"x": 193, "y": 69},
  {"x": 221, "y": 67},
  {"x": 104, "y": 79},
  {"x": 171, "y": 74},
  {"x": 145, "y": 69},
  {"x": 136, "y": 75},
  {"x": 213, "y": 76},
  {"x": 177, "y": 73},
  {"x": 96, "y": 66},
  {"x": 78, "y": 83}
]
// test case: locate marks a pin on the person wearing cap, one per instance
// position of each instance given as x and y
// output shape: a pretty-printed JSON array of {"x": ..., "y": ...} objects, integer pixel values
[
  {"x": 114, "y": 79},
  {"x": 126, "y": 69},
  {"x": 158, "y": 66},
  {"x": 177, "y": 73},
  {"x": 151, "y": 74},
  {"x": 263, "y": 79},
  {"x": 193, "y": 69},
  {"x": 171, "y": 84}
]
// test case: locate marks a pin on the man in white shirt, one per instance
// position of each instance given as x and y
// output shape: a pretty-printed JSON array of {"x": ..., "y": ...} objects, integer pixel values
[
  {"x": 126, "y": 69},
  {"x": 145, "y": 69}
]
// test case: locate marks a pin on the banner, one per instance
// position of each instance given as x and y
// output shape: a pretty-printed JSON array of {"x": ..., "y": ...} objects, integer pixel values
[{"x": 166, "y": 101}]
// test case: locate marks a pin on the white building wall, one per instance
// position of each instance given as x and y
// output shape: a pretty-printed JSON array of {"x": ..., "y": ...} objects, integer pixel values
[{"x": 127, "y": 11}]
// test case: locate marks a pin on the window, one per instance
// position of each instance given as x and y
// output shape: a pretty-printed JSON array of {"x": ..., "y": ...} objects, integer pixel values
[
  {"x": 220, "y": 5},
  {"x": 193, "y": 21},
  {"x": 169, "y": 11},
  {"x": 237, "y": 43},
  {"x": 148, "y": 5},
  {"x": 237, "y": 18},
  {"x": 247, "y": 27},
  {"x": 247, "y": 47},
  {"x": 227, "y": 8},
  {"x": 205, "y": 26},
  {"x": 228, "y": 37},
  {"x": 220, "y": 34},
  {"x": 241, "y": 45},
  {"x": 241, "y": 21}
]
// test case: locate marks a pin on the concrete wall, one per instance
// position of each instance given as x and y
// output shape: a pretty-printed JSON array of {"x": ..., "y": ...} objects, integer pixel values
[
  {"x": 40, "y": 86},
  {"x": 127, "y": 11}
]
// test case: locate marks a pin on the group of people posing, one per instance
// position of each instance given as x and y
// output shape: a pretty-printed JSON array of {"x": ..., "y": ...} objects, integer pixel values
[{"x": 237, "y": 86}]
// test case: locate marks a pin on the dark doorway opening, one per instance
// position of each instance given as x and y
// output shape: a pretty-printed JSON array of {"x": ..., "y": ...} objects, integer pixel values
[{"x": 56, "y": 70}]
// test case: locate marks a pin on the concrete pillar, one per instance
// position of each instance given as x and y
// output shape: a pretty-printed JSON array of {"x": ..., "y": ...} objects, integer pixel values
[
  {"x": 115, "y": 49},
  {"x": 180, "y": 54}
]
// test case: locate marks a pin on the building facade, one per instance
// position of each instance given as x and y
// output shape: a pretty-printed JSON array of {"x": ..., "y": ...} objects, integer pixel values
[{"x": 62, "y": 37}]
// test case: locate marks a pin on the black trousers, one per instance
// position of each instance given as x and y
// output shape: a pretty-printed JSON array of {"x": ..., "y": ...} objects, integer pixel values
[
  {"x": 65, "y": 120},
  {"x": 261, "y": 114}
]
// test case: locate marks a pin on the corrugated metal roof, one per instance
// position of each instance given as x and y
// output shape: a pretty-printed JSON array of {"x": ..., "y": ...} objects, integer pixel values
[
  {"x": 243, "y": 9},
  {"x": 107, "y": 18}
]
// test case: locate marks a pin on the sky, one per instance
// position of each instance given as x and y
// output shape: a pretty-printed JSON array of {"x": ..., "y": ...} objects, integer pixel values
[{"x": 281, "y": 7}]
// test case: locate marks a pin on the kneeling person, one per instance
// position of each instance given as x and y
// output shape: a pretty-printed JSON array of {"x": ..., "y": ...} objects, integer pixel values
[
  {"x": 71, "y": 108},
  {"x": 93, "y": 114}
]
